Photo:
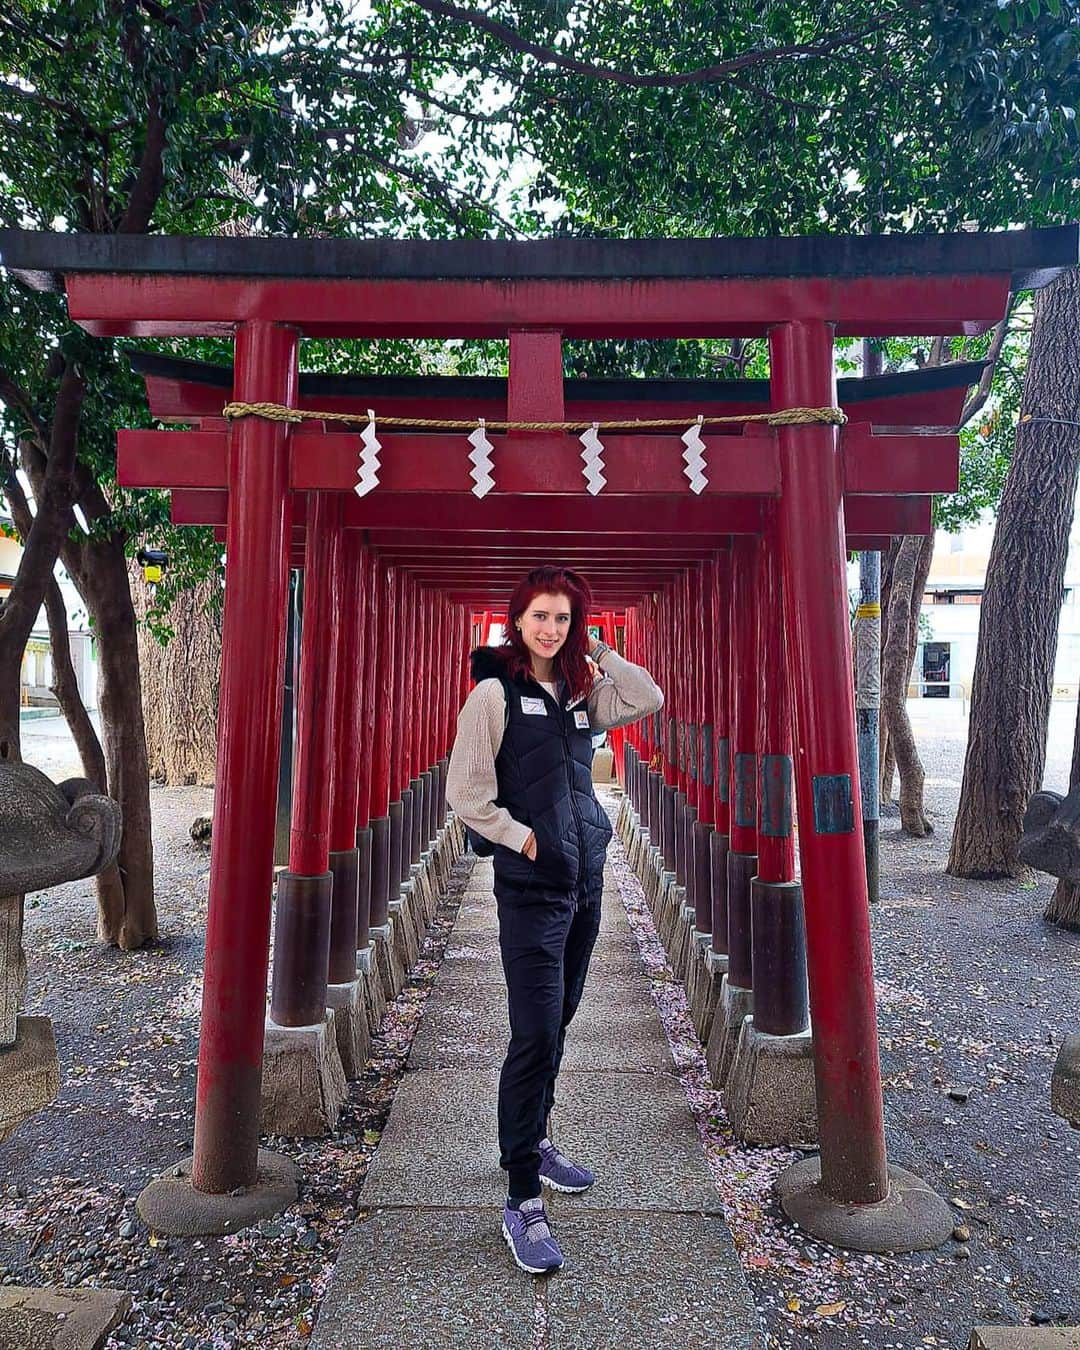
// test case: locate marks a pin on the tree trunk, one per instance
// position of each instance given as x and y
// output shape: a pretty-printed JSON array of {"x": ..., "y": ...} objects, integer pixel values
[
  {"x": 896, "y": 667},
  {"x": 1064, "y": 905},
  {"x": 180, "y": 684},
  {"x": 66, "y": 688},
  {"x": 1018, "y": 628},
  {"x": 126, "y": 916},
  {"x": 41, "y": 544}
]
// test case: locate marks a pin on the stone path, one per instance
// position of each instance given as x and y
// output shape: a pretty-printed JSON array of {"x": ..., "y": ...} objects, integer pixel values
[{"x": 649, "y": 1258}]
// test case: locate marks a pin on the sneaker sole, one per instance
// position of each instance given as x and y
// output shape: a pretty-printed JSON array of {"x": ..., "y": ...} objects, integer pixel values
[
  {"x": 566, "y": 1190},
  {"x": 529, "y": 1270}
]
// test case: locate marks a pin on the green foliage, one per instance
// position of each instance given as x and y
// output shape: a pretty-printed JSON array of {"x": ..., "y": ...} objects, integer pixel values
[{"x": 196, "y": 116}]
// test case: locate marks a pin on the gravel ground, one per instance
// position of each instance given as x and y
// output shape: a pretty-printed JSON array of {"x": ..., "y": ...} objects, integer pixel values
[{"x": 975, "y": 995}]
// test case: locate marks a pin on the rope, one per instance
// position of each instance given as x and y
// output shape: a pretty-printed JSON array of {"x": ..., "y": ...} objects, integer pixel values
[{"x": 783, "y": 417}]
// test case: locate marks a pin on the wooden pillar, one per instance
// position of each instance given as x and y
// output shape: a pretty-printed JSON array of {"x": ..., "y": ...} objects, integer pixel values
[{"x": 249, "y": 741}]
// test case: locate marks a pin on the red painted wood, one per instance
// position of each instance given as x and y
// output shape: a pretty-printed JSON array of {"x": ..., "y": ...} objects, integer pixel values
[
  {"x": 898, "y": 464},
  {"x": 776, "y": 854},
  {"x": 109, "y": 305},
  {"x": 851, "y": 1128},
  {"x": 745, "y": 676},
  {"x": 368, "y": 731},
  {"x": 383, "y": 702},
  {"x": 309, "y": 841},
  {"x": 671, "y": 516},
  {"x": 245, "y": 802},
  {"x": 535, "y": 381},
  {"x": 173, "y": 400},
  {"x": 533, "y": 464},
  {"x": 721, "y": 689},
  {"x": 349, "y": 693},
  {"x": 707, "y": 686}
]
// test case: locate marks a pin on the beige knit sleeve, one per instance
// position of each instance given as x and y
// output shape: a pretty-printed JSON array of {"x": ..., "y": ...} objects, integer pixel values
[
  {"x": 624, "y": 693},
  {"x": 471, "y": 784}
]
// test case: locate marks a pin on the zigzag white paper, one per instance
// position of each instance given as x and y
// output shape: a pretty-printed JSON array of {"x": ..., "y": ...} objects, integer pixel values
[
  {"x": 368, "y": 476},
  {"x": 694, "y": 458},
  {"x": 480, "y": 473},
  {"x": 593, "y": 458}
]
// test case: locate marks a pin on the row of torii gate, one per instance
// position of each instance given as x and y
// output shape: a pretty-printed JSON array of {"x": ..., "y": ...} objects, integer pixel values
[{"x": 717, "y": 553}]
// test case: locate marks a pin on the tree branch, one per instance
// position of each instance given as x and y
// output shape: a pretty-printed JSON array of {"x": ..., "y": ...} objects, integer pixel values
[
  {"x": 982, "y": 392},
  {"x": 443, "y": 195},
  {"x": 17, "y": 397},
  {"x": 150, "y": 178},
  {"x": 511, "y": 38}
]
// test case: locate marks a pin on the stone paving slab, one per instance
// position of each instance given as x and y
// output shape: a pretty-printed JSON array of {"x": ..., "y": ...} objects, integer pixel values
[
  {"x": 649, "y": 1260},
  {"x": 662, "y": 1281},
  {"x": 52, "y": 1318},
  {"x": 443, "y": 1279},
  {"x": 436, "y": 1280},
  {"x": 467, "y": 1026},
  {"x": 440, "y": 1144}
]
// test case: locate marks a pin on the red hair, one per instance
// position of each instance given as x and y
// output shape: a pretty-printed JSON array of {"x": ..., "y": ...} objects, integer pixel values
[{"x": 569, "y": 663}]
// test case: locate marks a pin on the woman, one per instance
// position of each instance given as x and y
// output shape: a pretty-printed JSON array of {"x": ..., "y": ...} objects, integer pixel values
[{"x": 521, "y": 777}]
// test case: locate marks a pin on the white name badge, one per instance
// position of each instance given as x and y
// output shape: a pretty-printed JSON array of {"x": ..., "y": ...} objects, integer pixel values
[
  {"x": 581, "y": 720},
  {"x": 535, "y": 706}
]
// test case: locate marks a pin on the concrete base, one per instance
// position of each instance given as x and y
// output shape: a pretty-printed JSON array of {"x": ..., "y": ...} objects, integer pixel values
[
  {"x": 171, "y": 1204},
  {"x": 1065, "y": 1082},
  {"x": 769, "y": 1095},
  {"x": 681, "y": 940},
  {"x": 367, "y": 972},
  {"x": 702, "y": 991},
  {"x": 29, "y": 1073},
  {"x": 350, "y": 1026},
  {"x": 734, "y": 1004},
  {"x": 403, "y": 917},
  {"x": 1025, "y": 1338},
  {"x": 913, "y": 1218},
  {"x": 669, "y": 908},
  {"x": 303, "y": 1082},
  {"x": 59, "y": 1318},
  {"x": 388, "y": 960}
]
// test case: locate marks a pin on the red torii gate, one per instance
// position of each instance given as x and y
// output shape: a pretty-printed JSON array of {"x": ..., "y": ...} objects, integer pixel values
[{"x": 268, "y": 294}]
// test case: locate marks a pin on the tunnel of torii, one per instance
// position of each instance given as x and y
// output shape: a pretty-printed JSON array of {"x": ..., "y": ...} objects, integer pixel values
[{"x": 716, "y": 551}]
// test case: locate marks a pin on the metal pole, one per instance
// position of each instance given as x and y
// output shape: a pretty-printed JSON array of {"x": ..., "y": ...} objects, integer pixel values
[
  {"x": 868, "y": 710},
  {"x": 868, "y": 682}
]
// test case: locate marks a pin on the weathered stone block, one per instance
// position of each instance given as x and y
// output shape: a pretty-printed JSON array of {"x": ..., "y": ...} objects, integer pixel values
[
  {"x": 1025, "y": 1338},
  {"x": 350, "y": 1026},
  {"x": 734, "y": 1005},
  {"x": 59, "y": 1319},
  {"x": 1065, "y": 1082},
  {"x": 769, "y": 1095},
  {"x": 303, "y": 1083},
  {"x": 29, "y": 1073}
]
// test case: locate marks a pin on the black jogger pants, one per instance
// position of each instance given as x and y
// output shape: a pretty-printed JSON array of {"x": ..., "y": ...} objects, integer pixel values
[{"x": 546, "y": 940}]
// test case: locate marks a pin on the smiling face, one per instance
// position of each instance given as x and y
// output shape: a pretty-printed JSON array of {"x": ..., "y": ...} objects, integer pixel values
[{"x": 545, "y": 625}]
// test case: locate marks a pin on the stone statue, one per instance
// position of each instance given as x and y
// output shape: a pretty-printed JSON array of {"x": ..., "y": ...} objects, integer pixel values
[
  {"x": 49, "y": 834},
  {"x": 1051, "y": 838},
  {"x": 1051, "y": 843}
]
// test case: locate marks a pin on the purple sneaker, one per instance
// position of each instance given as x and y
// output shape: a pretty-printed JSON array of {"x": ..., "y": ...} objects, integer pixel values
[
  {"x": 558, "y": 1172},
  {"x": 530, "y": 1239}
]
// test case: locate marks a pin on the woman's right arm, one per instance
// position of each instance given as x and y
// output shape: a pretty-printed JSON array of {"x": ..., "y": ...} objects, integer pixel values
[{"x": 471, "y": 782}]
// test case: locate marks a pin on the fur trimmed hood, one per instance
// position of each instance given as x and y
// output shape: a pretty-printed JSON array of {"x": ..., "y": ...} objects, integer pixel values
[{"x": 488, "y": 663}]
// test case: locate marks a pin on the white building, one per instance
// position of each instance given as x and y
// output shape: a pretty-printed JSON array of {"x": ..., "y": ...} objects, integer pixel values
[
  {"x": 37, "y": 669},
  {"x": 949, "y": 619}
]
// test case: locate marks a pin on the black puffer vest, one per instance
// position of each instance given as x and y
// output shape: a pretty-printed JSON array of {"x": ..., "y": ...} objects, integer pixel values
[{"x": 544, "y": 772}]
